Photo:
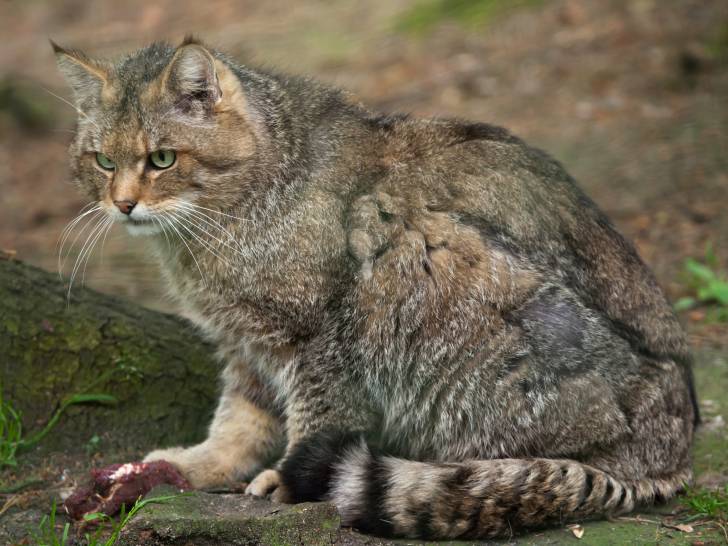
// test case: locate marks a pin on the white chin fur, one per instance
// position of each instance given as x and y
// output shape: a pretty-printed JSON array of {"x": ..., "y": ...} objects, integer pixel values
[{"x": 142, "y": 229}]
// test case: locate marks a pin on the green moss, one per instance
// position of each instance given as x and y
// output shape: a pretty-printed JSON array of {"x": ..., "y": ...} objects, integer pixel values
[
  {"x": 717, "y": 44},
  {"x": 11, "y": 326},
  {"x": 426, "y": 14},
  {"x": 202, "y": 518},
  {"x": 49, "y": 349}
]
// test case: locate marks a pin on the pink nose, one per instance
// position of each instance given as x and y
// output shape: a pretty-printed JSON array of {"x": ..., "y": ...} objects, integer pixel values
[{"x": 125, "y": 206}]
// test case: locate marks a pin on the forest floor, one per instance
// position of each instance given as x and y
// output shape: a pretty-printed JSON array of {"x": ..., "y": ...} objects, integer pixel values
[{"x": 630, "y": 95}]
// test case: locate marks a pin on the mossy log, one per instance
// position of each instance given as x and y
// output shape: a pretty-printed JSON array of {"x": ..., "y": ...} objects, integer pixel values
[{"x": 162, "y": 373}]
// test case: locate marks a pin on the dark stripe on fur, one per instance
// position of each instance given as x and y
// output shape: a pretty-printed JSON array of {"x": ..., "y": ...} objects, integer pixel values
[
  {"x": 374, "y": 520},
  {"x": 610, "y": 490},
  {"x": 622, "y": 497},
  {"x": 306, "y": 472},
  {"x": 588, "y": 488},
  {"x": 424, "y": 521}
]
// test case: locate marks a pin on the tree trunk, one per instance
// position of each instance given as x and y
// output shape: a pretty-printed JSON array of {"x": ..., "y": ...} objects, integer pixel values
[{"x": 163, "y": 375}]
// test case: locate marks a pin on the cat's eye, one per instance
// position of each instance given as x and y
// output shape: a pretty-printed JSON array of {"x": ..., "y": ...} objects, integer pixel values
[
  {"x": 104, "y": 162},
  {"x": 162, "y": 159}
]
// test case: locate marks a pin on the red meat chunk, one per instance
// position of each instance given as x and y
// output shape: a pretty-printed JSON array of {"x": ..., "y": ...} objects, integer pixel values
[{"x": 118, "y": 484}]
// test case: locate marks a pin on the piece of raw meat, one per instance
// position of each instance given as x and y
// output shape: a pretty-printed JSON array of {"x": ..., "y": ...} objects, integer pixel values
[{"x": 118, "y": 484}]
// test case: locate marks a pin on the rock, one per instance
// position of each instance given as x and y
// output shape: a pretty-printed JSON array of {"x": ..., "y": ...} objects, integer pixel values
[
  {"x": 220, "y": 519},
  {"x": 162, "y": 373}
]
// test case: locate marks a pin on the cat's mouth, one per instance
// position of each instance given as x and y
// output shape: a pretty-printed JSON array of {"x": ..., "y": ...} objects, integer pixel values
[
  {"x": 140, "y": 226},
  {"x": 138, "y": 221}
]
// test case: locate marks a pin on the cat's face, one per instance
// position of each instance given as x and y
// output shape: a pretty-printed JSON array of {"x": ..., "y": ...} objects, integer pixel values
[{"x": 161, "y": 134}]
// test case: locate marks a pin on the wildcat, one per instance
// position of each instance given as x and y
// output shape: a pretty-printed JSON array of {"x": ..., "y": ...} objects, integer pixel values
[{"x": 442, "y": 334}]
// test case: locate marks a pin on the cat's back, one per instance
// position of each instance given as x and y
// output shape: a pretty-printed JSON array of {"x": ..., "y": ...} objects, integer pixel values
[{"x": 469, "y": 209}]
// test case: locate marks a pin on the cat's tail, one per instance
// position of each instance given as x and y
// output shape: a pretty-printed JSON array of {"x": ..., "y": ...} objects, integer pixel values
[{"x": 479, "y": 499}]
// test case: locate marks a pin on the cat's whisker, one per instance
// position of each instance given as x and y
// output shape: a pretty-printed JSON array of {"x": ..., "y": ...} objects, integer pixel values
[
  {"x": 61, "y": 258},
  {"x": 76, "y": 108},
  {"x": 192, "y": 221},
  {"x": 185, "y": 223},
  {"x": 106, "y": 224},
  {"x": 200, "y": 207},
  {"x": 158, "y": 221},
  {"x": 96, "y": 231},
  {"x": 88, "y": 244},
  {"x": 233, "y": 244},
  {"x": 81, "y": 213},
  {"x": 109, "y": 225},
  {"x": 103, "y": 243},
  {"x": 228, "y": 239},
  {"x": 189, "y": 208},
  {"x": 170, "y": 223},
  {"x": 70, "y": 225},
  {"x": 65, "y": 255}
]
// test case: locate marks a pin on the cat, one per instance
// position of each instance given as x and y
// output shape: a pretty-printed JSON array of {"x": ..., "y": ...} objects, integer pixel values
[{"x": 426, "y": 319}]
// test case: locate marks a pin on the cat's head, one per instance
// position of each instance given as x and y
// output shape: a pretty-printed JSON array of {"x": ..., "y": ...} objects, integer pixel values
[{"x": 160, "y": 133}]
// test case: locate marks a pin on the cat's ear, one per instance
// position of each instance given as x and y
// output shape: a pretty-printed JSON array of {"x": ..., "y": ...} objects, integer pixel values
[
  {"x": 86, "y": 76},
  {"x": 192, "y": 76}
]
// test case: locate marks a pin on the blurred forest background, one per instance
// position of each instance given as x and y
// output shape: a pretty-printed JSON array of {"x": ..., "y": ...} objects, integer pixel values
[{"x": 632, "y": 96}]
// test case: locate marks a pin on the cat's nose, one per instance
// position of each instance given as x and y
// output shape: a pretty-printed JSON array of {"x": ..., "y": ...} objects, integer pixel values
[{"x": 125, "y": 206}]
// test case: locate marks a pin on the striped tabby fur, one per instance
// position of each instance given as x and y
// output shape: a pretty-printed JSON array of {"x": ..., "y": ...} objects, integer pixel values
[{"x": 425, "y": 321}]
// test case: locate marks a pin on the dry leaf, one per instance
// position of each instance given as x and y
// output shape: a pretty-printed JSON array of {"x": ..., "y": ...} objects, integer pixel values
[
  {"x": 577, "y": 530},
  {"x": 684, "y": 527}
]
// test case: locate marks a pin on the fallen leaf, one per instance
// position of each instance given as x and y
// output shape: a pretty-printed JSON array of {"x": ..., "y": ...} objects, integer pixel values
[
  {"x": 684, "y": 527},
  {"x": 577, "y": 530}
]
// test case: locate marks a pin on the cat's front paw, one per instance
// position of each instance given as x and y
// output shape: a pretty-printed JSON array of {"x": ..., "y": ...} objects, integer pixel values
[
  {"x": 202, "y": 465},
  {"x": 168, "y": 455},
  {"x": 266, "y": 483}
]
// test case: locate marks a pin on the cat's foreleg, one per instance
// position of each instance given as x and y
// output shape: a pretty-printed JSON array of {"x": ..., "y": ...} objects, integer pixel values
[
  {"x": 323, "y": 420},
  {"x": 241, "y": 437}
]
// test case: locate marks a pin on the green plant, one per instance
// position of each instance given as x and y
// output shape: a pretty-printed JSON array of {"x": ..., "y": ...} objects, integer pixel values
[
  {"x": 707, "y": 503},
  {"x": 709, "y": 286},
  {"x": 11, "y": 432},
  {"x": 427, "y": 13},
  {"x": 93, "y": 444},
  {"x": 47, "y": 535},
  {"x": 11, "y": 435}
]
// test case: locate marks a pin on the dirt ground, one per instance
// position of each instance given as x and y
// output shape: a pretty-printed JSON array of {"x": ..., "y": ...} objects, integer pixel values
[{"x": 632, "y": 96}]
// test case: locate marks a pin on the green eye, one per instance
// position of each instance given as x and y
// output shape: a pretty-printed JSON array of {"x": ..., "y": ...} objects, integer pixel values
[
  {"x": 104, "y": 162},
  {"x": 162, "y": 159}
]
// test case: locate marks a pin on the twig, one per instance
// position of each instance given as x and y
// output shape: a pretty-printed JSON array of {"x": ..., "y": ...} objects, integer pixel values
[
  {"x": 638, "y": 520},
  {"x": 12, "y": 501},
  {"x": 722, "y": 528},
  {"x": 20, "y": 486}
]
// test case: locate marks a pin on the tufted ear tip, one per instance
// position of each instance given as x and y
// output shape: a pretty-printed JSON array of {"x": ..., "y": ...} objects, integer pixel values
[
  {"x": 190, "y": 39},
  {"x": 56, "y": 48},
  {"x": 86, "y": 76}
]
